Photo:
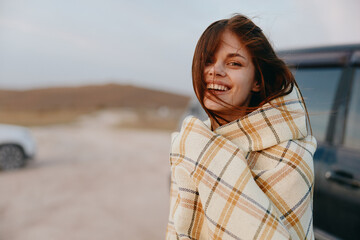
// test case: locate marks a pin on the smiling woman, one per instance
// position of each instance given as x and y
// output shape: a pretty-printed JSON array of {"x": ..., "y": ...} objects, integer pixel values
[
  {"x": 247, "y": 173},
  {"x": 232, "y": 52},
  {"x": 229, "y": 75}
]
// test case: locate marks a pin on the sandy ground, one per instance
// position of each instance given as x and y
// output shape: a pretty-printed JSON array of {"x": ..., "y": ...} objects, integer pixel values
[{"x": 89, "y": 180}]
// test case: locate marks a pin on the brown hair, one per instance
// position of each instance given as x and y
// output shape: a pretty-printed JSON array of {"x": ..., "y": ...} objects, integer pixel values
[{"x": 271, "y": 73}]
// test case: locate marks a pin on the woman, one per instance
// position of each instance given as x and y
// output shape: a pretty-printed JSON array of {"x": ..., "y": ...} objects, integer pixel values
[{"x": 247, "y": 173}]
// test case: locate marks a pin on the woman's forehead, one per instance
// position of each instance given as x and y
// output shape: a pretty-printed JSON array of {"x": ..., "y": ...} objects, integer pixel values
[{"x": 230, "y": 42}]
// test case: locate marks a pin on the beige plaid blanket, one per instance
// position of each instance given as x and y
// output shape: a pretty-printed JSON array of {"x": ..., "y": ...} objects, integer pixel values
[{"x": 250, "y": 179}]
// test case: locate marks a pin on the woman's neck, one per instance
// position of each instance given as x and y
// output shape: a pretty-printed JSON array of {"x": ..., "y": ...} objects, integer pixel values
[{"x": 215, "y": 124}]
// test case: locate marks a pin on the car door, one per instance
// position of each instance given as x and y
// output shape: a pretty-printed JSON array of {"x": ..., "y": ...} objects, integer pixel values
[
  {"x": 341, "y": 175},
  {"x": 323, "y": 91}
]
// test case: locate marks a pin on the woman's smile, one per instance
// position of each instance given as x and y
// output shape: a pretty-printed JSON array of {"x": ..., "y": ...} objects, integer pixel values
[{"x": 218, "y": 88}]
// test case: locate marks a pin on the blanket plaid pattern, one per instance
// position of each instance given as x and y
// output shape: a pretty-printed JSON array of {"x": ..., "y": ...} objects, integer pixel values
[{"x": 250, "y": 179}]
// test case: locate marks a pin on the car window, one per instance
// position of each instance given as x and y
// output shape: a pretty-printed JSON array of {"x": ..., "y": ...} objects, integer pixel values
[
  {"x": 352, "y": 132},
  {"x": 318, "y": 86}
]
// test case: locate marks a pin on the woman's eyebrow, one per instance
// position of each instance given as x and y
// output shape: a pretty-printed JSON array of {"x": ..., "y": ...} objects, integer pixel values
[{"x": 230, "y": 55}]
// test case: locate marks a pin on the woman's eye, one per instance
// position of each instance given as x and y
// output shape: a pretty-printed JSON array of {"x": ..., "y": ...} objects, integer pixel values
[{"x": 237, "y": 64}]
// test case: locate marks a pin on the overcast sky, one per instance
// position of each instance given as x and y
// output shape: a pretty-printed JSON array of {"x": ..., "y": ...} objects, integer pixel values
[{"x": 150, "y": 43}]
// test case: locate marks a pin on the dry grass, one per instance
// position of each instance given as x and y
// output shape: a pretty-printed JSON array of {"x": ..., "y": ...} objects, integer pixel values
[
  {"x": 142, "y": 118},
  {"x": 64, "y": 105},
  {"x": 89, "y": 97}
]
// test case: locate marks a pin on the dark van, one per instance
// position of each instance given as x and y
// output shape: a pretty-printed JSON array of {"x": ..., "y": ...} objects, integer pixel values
[{"x": 329, "y": 78}]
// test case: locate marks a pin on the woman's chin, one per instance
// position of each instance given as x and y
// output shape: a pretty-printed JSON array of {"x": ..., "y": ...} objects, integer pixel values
[{"x": 213, "y": 106}]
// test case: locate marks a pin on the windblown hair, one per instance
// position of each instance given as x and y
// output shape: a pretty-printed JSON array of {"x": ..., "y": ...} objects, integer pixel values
[{"x": 271, "y": 73}]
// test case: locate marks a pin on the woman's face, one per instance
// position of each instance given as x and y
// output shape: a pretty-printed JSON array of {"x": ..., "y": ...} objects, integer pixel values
[{"x": 229, "y": 75}]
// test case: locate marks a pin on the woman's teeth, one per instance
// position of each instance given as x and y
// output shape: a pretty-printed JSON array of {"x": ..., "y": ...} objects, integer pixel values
[{"x": 212, "y": 86}]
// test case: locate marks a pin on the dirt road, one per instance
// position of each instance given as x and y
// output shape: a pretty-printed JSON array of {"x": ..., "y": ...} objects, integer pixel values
[{"x": 89, "y": 180}]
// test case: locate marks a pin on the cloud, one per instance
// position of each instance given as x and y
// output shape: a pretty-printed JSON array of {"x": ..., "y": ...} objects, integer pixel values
[
  {"x": 151, "y": 42},
  {"x": 51, "y": 34},
  {"x": 331, "y": 21}
]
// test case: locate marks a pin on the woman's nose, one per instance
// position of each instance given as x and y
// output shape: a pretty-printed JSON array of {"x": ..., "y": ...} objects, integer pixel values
[{"x": 217, "y": 70}]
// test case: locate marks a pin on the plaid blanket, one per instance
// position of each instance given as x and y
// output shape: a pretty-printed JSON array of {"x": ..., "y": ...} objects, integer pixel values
[{"x": 250, "y": 179}]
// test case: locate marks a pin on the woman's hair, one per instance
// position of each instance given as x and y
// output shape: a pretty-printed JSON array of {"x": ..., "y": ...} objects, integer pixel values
[{"x": 271, "y": 73}]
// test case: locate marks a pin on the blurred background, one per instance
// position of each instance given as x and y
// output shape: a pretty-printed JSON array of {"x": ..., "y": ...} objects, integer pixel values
[{"x": 99, "y": 86}]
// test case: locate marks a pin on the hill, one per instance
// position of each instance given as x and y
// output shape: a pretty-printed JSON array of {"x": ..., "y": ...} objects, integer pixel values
[
  {"x": 89, "y": 98},
  {"x": 65, "y": 104}
]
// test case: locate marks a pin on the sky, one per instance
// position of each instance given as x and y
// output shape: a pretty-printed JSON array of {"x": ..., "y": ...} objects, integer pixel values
[{"x": 45, "y": 43}]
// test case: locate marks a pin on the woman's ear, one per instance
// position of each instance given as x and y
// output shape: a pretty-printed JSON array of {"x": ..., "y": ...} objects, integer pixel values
[{"x": 256, "y": 87}]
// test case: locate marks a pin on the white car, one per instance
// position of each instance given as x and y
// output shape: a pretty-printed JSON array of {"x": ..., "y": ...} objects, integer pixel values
[{"x": 16, "y": 146}]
